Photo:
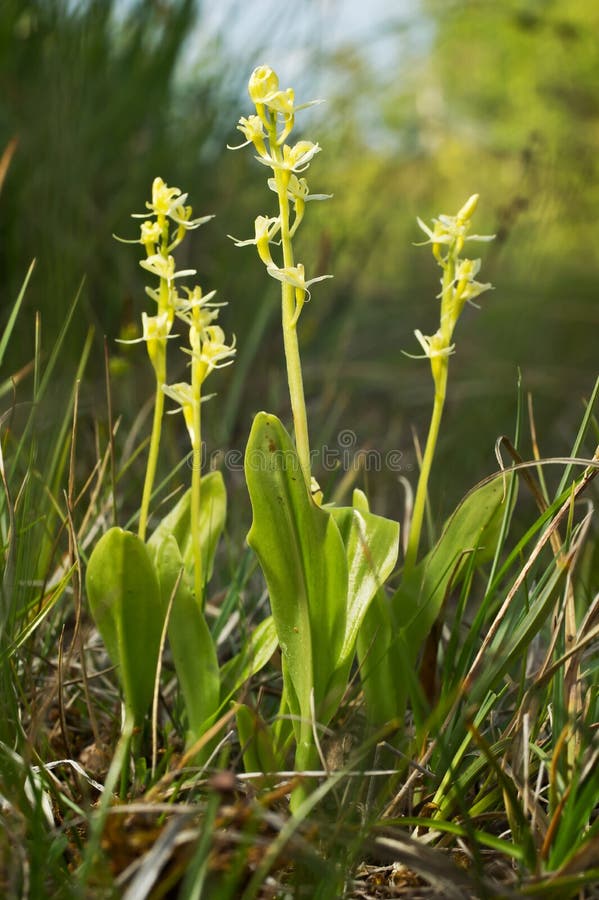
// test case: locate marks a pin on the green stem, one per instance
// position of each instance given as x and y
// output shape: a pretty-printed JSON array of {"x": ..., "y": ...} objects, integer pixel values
[
  {"x": 427, "y": 461},
  {"x": 159, "y": 364},
  {"x": 196, "y": 480},
  {"x": 295, "y": 380},
  {"x": 440, "y": 369},
  {"x": 152, "y": 456},
  {"x": 290, "y": 340}
]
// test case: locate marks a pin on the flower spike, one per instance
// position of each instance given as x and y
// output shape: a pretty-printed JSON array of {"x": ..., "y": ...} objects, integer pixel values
[{"x": 267, "y": 130}]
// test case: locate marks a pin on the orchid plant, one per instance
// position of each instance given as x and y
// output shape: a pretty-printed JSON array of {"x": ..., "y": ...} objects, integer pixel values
[
  {"x": 164, "y": 227},
  {"x": 267, "y": 131},
  {"x": 322, "y": 564},
  {"x": 136, "y": 589},
  {"x": 395, "y": 629},
  {"x": 458, "y": 287}
]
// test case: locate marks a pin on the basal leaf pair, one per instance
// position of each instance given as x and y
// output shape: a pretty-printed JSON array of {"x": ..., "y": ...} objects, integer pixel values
[
  {"x": 323, "y": 566},
  {"x": 133, "y": 586}
]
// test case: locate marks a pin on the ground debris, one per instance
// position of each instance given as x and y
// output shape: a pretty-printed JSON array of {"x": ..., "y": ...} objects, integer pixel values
[{"x": 154, "y": 844}]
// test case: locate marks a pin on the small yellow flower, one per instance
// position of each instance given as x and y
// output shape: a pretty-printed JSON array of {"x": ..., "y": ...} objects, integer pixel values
[
  {"x": 433, "y": 345},
  {"x": 181, "y": 216},
  {"x": 295, "y": 159},
  {"x": 170, "y": 202},
  {"x": 466, "y": 270},
  {"x": 465, "y": 288},
  {"x": 156, "y": 331},
  {"x": 208, "y": 349},
  {"x": 215, "y": 353},
  {"x": 197, "y": 309},
  {"x": 265, "y": 230},
  {"x": 164, "y": 267},
  {"x": 164, "y": 198},
  {"x": 453, "y": 230},
  {"x": 468, "y": 209},
  {"x": 282, "y": 102},
  {"x": 151, "y": 232},
  {"x": 295, "y": 276},
  {"x": 298, "y": 156},
  {"x": 436, "y": 349},
  {"x": 252, "y": 129},
  {"x": 182, "y": 394}
]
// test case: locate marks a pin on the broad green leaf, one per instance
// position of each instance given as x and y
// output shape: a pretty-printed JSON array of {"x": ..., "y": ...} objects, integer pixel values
[
  {"x": 129, "y": 611},
  {"x": 194, "y": 653},
  {"x": 381, "y": 657},
  {"x": 371, "y": 549},
  {"x": 394, "y": 630},
  {"x": 303, "y": 559},
  {"x": 473, "y": 528},
  {"x": 371, "y": 546},
  {"x": 213, "y": 511},
  {"x": 253, "y": 656}
]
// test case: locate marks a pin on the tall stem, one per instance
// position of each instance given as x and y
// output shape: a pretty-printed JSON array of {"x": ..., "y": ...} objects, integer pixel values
[
  {"x": 159, "y": 364},
  {"x": 427, "y": 461},
  {"x": 296, "y": 385},
  {"x": 290, "y": 340},
  {"x": 196, "y": 481},
  {"x": 152, "y": 456},
  {"x": 440, "y": 369}
]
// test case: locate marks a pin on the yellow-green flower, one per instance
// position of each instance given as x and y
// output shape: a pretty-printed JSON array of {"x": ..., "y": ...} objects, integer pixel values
[
  {"x": 164, "y": 267},
  {"x": 265, "y": 230},
  {"x": 198, "y": 309},
  {"x": 453, "y": 230},
  {"x": 164, "y": 198},
  {"x": 156, "y": 330},
  {"x": 465, "y": 288},
  {"x": 299, "y": 194},
  {"x": 182, "y": 394},
  {"x": 252, "y": 129},
  {"x": 170, "y": 202},
  {"x": 295, "y": 159},
  {"x": 151, "y": 232},
  {"x": 295, "y": 276},
  {"x": 435, "y": 348},
  {"x": 282, "y": 102},
  {"x": 215, "y": 353}
]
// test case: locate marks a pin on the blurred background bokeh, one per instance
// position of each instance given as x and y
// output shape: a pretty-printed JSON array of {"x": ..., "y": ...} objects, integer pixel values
[{"x": 427, "y": 102}]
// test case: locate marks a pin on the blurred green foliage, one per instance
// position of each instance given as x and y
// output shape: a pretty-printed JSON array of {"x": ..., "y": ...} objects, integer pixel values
[
  {"x": 93, "y": 93},
  {"x": 502, "y": 99},
  {"x": 497, "y": 98}
]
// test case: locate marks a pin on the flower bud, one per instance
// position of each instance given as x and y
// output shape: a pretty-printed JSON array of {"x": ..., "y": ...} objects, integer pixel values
[
  {"x": 263, "y": 82},
  {"x": 467, "y": 210}
]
